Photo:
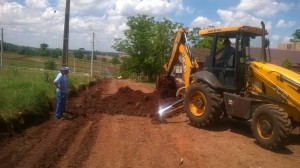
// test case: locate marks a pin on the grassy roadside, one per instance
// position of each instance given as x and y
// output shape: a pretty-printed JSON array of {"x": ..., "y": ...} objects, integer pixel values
[{"x": 26, "y": 95}]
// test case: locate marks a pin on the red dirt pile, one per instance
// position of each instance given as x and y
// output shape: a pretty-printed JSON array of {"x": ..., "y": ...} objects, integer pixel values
[
  {"x": 166, "y": 86},
  {"x": 130, "y": 102},
  {"x": 126, "y": 101}
]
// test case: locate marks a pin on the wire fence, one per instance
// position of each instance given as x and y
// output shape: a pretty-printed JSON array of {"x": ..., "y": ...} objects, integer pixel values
[{"x": 101, "y": 66}]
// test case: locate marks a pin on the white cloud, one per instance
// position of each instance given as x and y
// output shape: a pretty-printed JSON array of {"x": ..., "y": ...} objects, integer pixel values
[
  {"x": 275, "y": 37},
  {"x": 89, "y": 7},
  {"x": 275, "y": 40},
  {"x": 148, "y": 7},
  {"x": 241, "y": 18},
  {"x": 154, "y": 7},
  {"x": 246, "y": 13},
  {"x": 10, "y": 12},
  {"x": 123, "y": 8},
  {"x": 38, "y": 4},
  {"x": 265, "y": 8},
  {"x": 107, "y": 18},
  {"x": 283, "y": 24},
  {"x": 204, "y": 22},
  {"x": 286, "y": 39}
]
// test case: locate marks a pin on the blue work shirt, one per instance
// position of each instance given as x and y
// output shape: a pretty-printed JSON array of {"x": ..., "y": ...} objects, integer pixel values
[{"x": 62, "y": 83}]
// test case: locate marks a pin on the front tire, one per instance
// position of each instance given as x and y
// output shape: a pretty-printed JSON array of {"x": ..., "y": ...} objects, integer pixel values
[
  {"x": 270, "y": 125},
  {"x": 202, "y": 104}
]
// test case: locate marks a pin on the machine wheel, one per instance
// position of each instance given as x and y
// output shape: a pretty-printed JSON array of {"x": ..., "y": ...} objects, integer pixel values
[
  {"x": 270, "y": 125},
  {"x": 202, "y": 104}
]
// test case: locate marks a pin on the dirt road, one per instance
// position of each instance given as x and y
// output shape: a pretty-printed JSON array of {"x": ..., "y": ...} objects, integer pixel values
[{"x": 111, "y": 127}]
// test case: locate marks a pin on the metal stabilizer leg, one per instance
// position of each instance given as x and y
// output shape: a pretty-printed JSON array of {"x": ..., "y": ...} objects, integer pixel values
[{"x": 162, "y": 113}]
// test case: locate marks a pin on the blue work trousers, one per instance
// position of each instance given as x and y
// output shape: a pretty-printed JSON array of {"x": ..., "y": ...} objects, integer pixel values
[{"x": 60, "y": 106}]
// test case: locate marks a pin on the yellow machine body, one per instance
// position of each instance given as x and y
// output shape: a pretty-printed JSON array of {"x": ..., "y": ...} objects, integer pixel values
[{"x": 276, "y": 83}]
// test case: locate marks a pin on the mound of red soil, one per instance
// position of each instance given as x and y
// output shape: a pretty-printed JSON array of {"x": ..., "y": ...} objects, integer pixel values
[
  {"x": 126, "y": 101},
  {"x": 166, "y": 86},
  {"x": 130, "y": 102}
]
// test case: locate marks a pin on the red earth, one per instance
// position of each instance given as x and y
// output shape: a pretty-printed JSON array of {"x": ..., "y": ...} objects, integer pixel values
[{"x": 111, "y": 125}]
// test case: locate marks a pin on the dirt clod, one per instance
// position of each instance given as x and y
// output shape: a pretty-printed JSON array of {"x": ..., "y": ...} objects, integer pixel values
[{"x": 166, "y": 86}]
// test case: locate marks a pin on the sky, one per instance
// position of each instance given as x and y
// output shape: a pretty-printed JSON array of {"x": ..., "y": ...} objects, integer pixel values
[{"x": 33, "y": 22}]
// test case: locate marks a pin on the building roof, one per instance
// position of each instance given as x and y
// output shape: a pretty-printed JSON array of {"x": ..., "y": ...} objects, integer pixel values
[
  {"x": 279, "y": 56},
  {"x": 200, "y": 53}
]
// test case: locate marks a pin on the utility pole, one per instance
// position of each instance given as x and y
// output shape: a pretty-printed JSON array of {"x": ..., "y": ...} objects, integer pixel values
[
  {"x": 1, "y": 47},
  {"x": 66, "y": 35},
  {"x": 92, "y": 57},
  {"x": 74, "y": 69}
]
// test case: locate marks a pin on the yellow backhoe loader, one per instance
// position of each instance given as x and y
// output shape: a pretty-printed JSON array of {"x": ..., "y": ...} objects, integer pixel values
[{"x": 243, "y": 86}]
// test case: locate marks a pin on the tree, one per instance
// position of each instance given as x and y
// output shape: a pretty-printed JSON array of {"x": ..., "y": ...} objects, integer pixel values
[
  {"x": 24, "y": 51},
  {"x": 139, "y": 42},
  {"x": 11, "y": 47},
  {"x": 79, "y": 53},
  {"x": 194, "y": 37},
  {"x": 44, "y": 50},
  {"x": 55, "y": 53},
  {"x": 50, "y": 64},
  {"x": 127, "y": 67},
  {"x": 296, "y": 35},
  {"x": 201, "y": 42},
  {"x": 166, "y": 31},
  {"x": 44, "y": 46},
  {"x": 27, "y": 51},
  {"x": 147, "y": 42},
  {"x": 115, "y": 60}
]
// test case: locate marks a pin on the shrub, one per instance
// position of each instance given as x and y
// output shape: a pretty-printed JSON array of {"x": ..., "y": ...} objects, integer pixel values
[{"x": 51, "y": 65}]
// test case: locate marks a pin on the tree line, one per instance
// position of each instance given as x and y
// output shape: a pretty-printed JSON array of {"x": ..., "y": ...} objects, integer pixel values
[
  {"x": 55, "y": 53},
  {"x": 44, "y": 50},
  {"x": 32, "y": 51}
]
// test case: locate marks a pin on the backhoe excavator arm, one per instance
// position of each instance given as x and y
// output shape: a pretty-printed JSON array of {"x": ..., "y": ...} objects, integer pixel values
[{"x": 182, "y": 52}]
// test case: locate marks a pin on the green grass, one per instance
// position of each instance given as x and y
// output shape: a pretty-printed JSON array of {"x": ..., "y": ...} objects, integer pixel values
[
  {"x": 26, "y": 87},
  {"x": 77, "y": 65},
  {"x": 24, "y": 92}
]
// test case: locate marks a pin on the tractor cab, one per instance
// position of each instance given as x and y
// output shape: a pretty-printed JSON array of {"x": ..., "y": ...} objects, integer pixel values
[{"x": 228, "y": 62}]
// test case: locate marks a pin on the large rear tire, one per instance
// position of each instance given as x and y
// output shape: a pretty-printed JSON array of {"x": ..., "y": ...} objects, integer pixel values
[
  {"x": 202, "y": 104},
  {"x": 270, "y": 126}
]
